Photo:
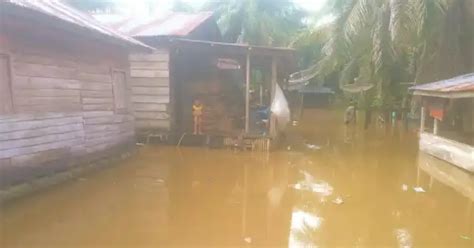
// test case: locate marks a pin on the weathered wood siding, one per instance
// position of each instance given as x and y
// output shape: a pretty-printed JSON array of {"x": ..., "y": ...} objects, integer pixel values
[
  {"x": 63, "y": 108},
  {"x": 451, "y": 151},
  {"x": 151, "y": 90}
]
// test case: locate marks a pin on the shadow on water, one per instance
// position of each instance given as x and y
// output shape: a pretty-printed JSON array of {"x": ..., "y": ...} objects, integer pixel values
[{"x": 331, "y": 185}]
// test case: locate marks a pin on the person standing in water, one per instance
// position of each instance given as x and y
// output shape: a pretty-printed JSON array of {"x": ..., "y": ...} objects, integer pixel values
[
  {"x": 197, "y": 114},
  {"x": 350, "y": 114}
]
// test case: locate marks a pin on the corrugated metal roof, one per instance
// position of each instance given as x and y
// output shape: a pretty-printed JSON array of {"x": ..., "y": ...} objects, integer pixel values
[
  {"x": 171, "y": 24},
  {"x": 457, "y": 84},
  {"x": 57, "y": 9},
  {"x": 282, "y": 51}
]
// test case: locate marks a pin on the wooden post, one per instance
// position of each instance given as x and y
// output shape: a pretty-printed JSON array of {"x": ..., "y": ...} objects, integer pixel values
[
  {"x": 435, "y": 126},
  {"x": 274, "y": 78},
  {"x": 422, "y": 120},
  {"x": 272, "y": 127},
  {"x": 247, "y": 94}
]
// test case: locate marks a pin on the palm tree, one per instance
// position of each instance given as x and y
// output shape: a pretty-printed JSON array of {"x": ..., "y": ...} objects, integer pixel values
[
  {"x": 258, "y": 22},
  {"x": 386, "y": 42}
]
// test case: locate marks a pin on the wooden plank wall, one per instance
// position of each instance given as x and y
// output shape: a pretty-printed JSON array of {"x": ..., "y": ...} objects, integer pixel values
[
  {"x": 63, "y": 105},
  {"x": 151, "y": 90},
  {"x": 448, "y": 150}
]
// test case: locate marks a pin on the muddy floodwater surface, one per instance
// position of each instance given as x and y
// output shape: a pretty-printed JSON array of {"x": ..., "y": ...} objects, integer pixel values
[{"x": 328, "y": 186}]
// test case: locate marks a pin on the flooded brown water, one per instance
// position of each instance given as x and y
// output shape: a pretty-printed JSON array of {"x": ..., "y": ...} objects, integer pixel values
[{"x": 353, "y": 188}]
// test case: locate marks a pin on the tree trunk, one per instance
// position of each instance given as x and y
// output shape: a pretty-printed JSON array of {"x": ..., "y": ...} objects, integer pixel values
[{"x": 368, "y": 118}]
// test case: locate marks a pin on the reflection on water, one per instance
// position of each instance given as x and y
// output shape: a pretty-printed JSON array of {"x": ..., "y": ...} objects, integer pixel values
[
  {"x": 303, "y": 225},
  {"x": 355, "y": 189}
]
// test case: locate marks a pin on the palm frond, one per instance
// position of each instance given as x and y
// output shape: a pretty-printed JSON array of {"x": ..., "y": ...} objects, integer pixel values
[
  {"x": 400, "y": 21},
  {"x": 382, "y": 53},
  {"x": 358, "y": 15}
]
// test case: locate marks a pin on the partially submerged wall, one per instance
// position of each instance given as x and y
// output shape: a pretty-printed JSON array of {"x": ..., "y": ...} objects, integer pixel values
[{"x": 459, "y": 154}]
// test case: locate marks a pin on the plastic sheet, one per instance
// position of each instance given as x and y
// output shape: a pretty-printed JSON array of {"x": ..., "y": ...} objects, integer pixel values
[{"x": 280, "y": 109}]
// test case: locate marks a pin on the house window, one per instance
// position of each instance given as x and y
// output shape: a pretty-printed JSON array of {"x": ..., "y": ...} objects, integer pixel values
[
  {"x": 6, "y": 104},
  {"x": 120, "y": 90}
]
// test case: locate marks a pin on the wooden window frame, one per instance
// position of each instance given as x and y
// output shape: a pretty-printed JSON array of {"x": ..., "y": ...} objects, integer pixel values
[
  {"x": 9, "y": 84},
  {"x": 126, "y": 108}
]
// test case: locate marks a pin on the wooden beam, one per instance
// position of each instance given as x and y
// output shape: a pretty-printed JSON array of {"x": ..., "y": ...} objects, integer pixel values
[
  {"x": 247, "y": 94},
  {"x": 274, "y": 77},
  {"x": 422, "y": 119},
  {"x": 435, "y": 126}
]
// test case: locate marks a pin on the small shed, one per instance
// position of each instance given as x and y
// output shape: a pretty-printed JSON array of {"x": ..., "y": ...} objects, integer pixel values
[
  {"x": 447, "y": 120},
  {"x": 64, "y": 92}
]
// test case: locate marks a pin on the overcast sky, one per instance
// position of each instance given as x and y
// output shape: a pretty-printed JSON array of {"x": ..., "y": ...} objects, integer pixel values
[{"x": 139, "y": 6}]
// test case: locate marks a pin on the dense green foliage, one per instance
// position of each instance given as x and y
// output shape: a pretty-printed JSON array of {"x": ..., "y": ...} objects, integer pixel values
[
  {"x": 258, "y": 22},
  {"x": 388, "y": 42}
]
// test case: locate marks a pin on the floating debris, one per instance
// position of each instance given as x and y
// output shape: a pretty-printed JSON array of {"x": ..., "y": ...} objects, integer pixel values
[
  {"x": 289, "y": 148},
  {"x": 313, "y": 147},
  {"x": 404, "y": 187},
  {"x": 140, "y": 144},
  {"x": 338, "y": 201},
  {"x": 419, "y": 190},
  {"x": 82, "y": 179},
  {"x": 404, "y": 237},
  {"x": 465, "y": 237},
  {"x": 297, "y": 186},
  {"x": 322, "y": 188},
  {"x": 248, "y": 240},
  {"x": 295, "y": 123},
  {"x": 160, "y": 181}
]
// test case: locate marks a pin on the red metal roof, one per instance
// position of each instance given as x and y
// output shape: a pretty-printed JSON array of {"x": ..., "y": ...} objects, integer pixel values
[
  {"x": 63, "y": 12},
  {"x": 457, "y": 84},
  {"x": 172, "y": 24}
]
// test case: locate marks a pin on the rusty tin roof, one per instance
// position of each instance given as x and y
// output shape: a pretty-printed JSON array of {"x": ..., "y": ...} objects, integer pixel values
[
  {"x": 454, "y": 87},
  {"x": 171, "y": 24},
  {"x": 65, "y": 13}
]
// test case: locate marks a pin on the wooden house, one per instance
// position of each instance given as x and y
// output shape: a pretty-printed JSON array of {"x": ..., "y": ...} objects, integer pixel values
[
  {"x": 64, "y": 92},
  {"x": 151, "y": 73},
  {"x": 447, "y": 120},
  {"x": 220, "y": 74},
  {"x": 190, "y": 62}
]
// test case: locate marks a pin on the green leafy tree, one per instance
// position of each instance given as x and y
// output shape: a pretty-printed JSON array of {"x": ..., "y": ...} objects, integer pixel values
[{"x": 387, "y": 42}]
